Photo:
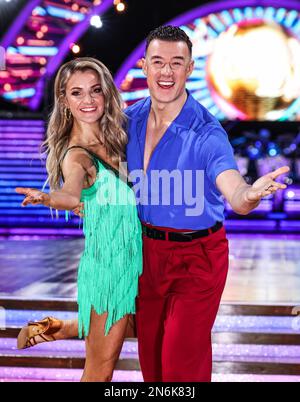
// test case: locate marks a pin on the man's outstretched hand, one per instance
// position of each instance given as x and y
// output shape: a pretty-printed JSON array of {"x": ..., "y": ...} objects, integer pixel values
[{"x": 266, "y": 185}]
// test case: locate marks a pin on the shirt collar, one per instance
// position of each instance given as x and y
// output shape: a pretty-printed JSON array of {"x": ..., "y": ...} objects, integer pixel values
[{"x": 183, "y": 119}]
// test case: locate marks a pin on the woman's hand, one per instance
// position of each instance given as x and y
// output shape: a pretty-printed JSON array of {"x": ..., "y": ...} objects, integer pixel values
[
  {"x": 34, "y": 197},
  {"x": 79, "y": 211}
]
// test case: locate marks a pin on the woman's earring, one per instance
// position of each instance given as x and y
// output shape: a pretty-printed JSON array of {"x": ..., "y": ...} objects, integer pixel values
[{"x": 68, "y": 113}]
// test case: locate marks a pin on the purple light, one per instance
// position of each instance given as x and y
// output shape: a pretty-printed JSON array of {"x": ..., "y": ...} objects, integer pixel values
[{"x": 20, "y": 374}]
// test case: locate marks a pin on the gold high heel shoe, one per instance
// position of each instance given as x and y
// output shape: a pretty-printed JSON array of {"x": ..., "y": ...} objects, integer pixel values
[{"x": 38, "y": 332}]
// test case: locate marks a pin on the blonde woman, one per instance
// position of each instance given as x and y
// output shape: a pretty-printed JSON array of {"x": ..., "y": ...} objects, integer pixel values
[{"x": 85, "y": 146}]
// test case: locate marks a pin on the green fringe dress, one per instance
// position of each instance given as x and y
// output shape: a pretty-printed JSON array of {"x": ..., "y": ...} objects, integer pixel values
[{"x": 111, "y": 263}]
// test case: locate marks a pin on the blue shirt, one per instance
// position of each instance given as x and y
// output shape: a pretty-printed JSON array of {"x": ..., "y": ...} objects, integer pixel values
[{"x": 192, "y": 153}]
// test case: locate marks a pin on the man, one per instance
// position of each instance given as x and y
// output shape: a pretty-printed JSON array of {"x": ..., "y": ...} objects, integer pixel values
[{"x": 185, "y": 250}]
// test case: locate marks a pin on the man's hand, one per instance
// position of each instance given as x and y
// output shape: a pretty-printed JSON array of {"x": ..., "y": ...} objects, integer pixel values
[
  {"x": 244, "y": 198},
  {"x": 266, "y": 185},
  {"x": 79, "y": 211},
  {"x": 33, "y": 196}
]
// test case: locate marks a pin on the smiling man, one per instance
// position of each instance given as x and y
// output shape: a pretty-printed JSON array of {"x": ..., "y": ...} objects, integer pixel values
[{"x": 185, "y": 256}]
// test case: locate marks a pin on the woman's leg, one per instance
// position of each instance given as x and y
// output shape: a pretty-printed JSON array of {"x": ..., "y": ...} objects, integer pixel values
[
  {"x": 68, "y": 330},
  {"x": 102, "y": 352}
]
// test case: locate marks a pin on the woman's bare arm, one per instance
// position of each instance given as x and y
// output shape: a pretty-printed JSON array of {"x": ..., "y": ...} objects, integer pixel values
[{"x": 76, "y": 166}]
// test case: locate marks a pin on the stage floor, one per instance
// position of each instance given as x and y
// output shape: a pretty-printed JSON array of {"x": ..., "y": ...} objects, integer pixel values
[{"x": 263, "y": 269}]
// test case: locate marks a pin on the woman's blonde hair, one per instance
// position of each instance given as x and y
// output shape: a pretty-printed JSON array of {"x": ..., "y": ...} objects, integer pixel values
[{"x": 112, "y": 134}]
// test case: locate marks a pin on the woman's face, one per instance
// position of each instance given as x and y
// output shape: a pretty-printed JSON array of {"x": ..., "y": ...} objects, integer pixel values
[{"x": 84, "y": 97}]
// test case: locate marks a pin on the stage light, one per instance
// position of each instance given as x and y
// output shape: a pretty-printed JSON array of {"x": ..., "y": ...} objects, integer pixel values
[
  {"x": 75, "y": 7},
  {"x": 20, "y": 41},
  {"x": 121, "y": 7},
  {"x": 75, "y": 49},
  {"x": 7, "y": 87},
  {"x": 253, "y": 152},
  {"x": 44, "y": 29},
  {"x": 96, "y": 22},
  {"x": 291, "y": 195}
]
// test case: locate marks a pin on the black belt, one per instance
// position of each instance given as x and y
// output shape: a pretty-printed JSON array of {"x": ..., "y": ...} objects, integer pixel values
[{"x": 157, "y": 234}]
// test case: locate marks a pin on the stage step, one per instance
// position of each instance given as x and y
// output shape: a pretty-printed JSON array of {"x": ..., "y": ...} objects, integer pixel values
[
  {"x": 247, "y": 339},
  {"x": 70, "y": 305},
  {"x": 227, "y": 338},
  {"x": 228, "y": 359}
]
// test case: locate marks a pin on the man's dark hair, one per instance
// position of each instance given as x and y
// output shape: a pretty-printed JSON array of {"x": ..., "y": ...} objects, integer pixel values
[{"x": 169, "y": 34}]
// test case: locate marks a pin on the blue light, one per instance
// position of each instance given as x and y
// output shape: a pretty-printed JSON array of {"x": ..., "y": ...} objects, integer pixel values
[
  {"x": 198, "y": 74},
  {"x": 200, "y": 24},
  {"x": 38, "y": 51},
  {"x": 65, "y": 14},
  {"x": 208, "y": 103},
  {"x": 131, "y": 96},
  {"x": 270, "y": 13},
  {"x": 238, "y": 15},
  {"x": 248, "y": 13},
  {"x": 136, "y": 73},
  {"x": 12, "y": 50},
  {"x": 296, "y": 28},
  {"x": 293, "y": 109},
  {"x": 188, "y": 31},
  {"x": 273, "y": 152},
  {"x": 20, "y": 183},
  {"x": 216, "y": 23},
  {"x": 280, "y": 15},
  {"x": 253, "y": 152},
  {"x": 40, "y": 11},
  {"x": 204, "y": 93},
  {"x": 220, "y": 115},
  {"x": 200, "y": 64},
  {"x": 214, "y": 110},
  {"x": 227, "y": 18},
  {"x": 212, "y": 33},
  {"x": 259, "y": 12},
  {"x": 22, "y": 93},
  {"x": 292, "y": 16},
  {"x": 195, "y": 85}
]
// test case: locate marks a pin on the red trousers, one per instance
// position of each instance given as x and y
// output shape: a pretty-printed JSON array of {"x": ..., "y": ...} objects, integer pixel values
[{"x": 179, "y": 297}]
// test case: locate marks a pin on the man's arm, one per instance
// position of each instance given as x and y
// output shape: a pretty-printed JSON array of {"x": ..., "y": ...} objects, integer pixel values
[{"x": 244, "y": 198}]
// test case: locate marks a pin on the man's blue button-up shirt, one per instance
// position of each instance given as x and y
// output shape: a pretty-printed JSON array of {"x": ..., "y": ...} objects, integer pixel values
[{"x": 179, "y": 188}]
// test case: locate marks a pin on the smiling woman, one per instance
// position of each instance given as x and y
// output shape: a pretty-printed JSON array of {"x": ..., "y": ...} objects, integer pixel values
[{"x": 85, "y": 140}]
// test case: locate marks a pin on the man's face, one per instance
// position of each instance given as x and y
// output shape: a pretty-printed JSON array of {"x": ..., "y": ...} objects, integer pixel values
[{"x": 167, "y": 67}]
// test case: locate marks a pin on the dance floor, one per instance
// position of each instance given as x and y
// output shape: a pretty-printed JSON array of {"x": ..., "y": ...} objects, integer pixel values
[
  {"x": 263, "y": 269},
  {"x": 256, "y": 337}
]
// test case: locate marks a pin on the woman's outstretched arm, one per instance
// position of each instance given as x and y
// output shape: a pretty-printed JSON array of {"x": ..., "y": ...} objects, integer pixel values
[{"x": 75, "y": 169}]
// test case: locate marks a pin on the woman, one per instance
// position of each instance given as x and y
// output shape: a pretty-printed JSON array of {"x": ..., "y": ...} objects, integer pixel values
[{"x": 85, "y": 145}]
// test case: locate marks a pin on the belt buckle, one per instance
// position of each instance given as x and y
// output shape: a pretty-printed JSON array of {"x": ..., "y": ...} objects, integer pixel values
[{"x": 187, "y": 237}]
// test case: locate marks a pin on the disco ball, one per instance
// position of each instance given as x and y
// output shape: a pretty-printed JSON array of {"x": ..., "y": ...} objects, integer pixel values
[{"x": 253, "y": 70}]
